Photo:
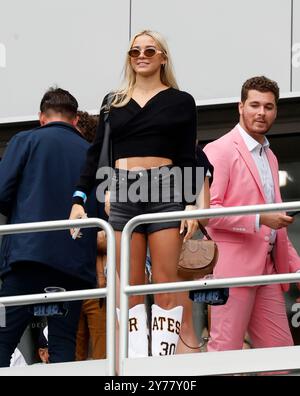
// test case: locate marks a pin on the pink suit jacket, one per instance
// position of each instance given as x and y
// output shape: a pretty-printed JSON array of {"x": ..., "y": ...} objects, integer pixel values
[{"x": 243, "y": 250}]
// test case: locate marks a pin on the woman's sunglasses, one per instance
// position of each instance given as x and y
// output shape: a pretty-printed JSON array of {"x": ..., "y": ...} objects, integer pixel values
[{"x": 148, "y": 52}]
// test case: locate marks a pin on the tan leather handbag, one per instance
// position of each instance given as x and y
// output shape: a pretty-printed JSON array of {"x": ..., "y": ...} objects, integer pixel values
[{"x": 198, "y": 257}]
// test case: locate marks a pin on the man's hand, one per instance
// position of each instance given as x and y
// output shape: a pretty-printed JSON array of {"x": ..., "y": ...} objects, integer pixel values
[
  {"x": 191, "y": 225},
  {"x": 275, "y": 220}
]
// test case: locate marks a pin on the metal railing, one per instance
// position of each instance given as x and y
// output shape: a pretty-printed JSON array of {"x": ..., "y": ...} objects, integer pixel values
[
  {"x": 109, "y": 291},
  {"x": 126, "y": 290}
]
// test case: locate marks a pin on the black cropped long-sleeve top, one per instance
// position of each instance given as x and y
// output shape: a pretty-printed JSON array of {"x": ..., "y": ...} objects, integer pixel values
[{"x": 165, "y": 127}]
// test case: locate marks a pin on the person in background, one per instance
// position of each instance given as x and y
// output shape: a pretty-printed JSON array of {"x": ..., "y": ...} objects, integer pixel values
[
  {"x": 43, "y": 348},
  {"x": 91, "y": 333},
  {"x": 37, "y": 175},
  {"x": 189, "y": 341},
  {"x": 153, "y": 131},
  {"x": 87, "y": 125},
  {"x": 246, "y": 173}
]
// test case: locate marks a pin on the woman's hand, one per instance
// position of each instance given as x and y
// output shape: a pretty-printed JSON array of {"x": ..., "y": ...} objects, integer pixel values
[
  {"x": 191, "y": 225},
  {"x": 107, "y": 202},
  {"x": 77, "y": 212}
]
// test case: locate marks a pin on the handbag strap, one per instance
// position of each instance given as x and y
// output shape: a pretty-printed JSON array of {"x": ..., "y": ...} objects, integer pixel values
[
  {"x": 204, "y": 231},
  {"x": 106, "y": 149},
  {"x": 110, "y": 98}
]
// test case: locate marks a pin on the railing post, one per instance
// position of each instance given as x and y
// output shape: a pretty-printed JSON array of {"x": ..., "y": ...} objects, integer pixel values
[
  {"x": 124, "y": 303},
  {"x": 111, "y": 274},
  {"x": 111, "y": 302},
  {"x": 126, "y": 290}
]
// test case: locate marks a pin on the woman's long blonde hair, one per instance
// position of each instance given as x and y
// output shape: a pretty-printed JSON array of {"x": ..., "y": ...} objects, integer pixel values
[{"x": 167, "y": 77}]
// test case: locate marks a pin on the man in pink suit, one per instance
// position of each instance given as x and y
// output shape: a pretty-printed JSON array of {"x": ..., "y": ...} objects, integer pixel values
[{"x": 246, "y": 173}]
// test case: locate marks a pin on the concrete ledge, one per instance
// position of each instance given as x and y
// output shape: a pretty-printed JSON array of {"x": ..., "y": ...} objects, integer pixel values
[
  {"x": 85, "y": 368},
  {"x": 216, "y": 363}
]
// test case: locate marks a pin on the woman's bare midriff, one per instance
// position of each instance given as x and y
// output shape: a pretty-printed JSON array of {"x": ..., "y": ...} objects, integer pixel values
[{"x": 137, "y": 163}]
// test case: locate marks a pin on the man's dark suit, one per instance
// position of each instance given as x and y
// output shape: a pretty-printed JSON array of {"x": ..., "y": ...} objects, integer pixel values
[{"x": 38, "y": 174}]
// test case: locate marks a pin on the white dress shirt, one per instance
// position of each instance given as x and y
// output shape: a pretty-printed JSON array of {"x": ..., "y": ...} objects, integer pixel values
[{"x": 258, "y": 152}]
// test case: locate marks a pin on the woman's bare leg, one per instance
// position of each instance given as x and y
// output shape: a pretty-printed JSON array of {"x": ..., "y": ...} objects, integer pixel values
[
  {"x": 138, "y": 328},
  {"x": 165, "y": 248},
  {"x": 188, "y": 337},
  {"x": 138, "y": 248}
]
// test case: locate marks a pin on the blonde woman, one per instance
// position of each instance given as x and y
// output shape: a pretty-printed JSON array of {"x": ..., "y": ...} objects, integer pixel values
[{"x": 153, "y": 132}]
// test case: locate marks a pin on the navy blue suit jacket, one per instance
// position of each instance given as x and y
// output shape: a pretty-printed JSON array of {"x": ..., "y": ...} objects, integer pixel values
[{"x": 38, "y": 175}]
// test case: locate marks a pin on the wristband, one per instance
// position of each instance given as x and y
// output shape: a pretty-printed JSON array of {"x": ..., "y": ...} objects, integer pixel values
[{"x": 81, "y": 195}]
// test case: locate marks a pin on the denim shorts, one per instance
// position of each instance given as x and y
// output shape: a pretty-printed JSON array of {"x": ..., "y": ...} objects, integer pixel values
[{"x": 155, "y": 190}]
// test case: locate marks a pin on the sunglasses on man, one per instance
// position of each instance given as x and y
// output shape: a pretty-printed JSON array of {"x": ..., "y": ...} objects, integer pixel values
[{"x": 148, "y": 52}]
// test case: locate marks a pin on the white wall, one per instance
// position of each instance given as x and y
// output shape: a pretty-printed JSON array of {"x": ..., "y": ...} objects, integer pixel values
[
  {"x": 75, "y": 44},
  {"x": 296, "y": 46},
  {"x": 218, "y": 44},
  {"x": 81, "y": 45}
]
